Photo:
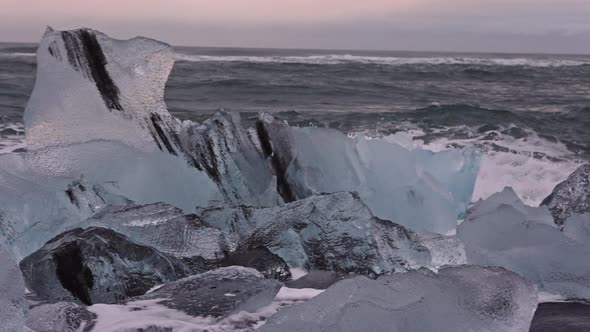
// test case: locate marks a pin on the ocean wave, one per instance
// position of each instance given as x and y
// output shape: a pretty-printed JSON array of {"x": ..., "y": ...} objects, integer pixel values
[{"x": 336, "y": 59}]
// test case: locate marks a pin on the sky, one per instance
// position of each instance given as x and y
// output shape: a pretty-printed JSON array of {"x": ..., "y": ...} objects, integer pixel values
[{"x": 536, "y": 26}]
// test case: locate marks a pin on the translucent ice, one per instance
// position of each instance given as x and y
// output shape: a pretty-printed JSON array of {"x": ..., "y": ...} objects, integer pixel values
[
  {"x": 502, "y": 231},
  {"x": 417, "y": 189},
  {"x": 164, "y": 228},
  {"x": 90, "y": 87},
  {"x": 327, "y": 232},
  {"x": 12, "y": 295},
  {"x": 464, "y": 298},
  {"x": 226, "y": 151},
  {"x": 577, "y": 227}
]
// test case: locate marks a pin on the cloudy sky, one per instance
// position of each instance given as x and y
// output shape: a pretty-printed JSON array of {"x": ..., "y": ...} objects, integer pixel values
[{"x": 554, "y": 26}]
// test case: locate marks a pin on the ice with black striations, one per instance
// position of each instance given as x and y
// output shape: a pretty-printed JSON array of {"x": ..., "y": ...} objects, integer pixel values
[
  {"x": 60, "y": 317},
  {"x": 218, "y": 293},
  {"x": 230, "y": 155},
  {"x": 463, "y": 298},
  {"x": 97, "y": 265},
  {"x": 324, "y": 232},
  {"x": 572, "y": 196},
  {"x": 13, "y": 305},
  {"x": 165, "y": 228},
  {"x": 502, "y": 231},
  {"x": 84, "y": 77}
]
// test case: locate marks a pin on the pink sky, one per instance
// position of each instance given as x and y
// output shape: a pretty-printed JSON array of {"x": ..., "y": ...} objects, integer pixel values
[{"x": 246, "y": 22}]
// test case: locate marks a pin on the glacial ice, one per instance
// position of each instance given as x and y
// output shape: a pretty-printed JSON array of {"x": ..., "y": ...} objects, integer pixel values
[
  {"x": 91, "y": 88},
  {"x": 59, "y": 317},
  {"x": 463, "y": 298},
  {"x": 577, "y": 227},
  {"x": 230, "y": 155},
  {"x": 97, "y": 265},
  {"x": 326, "y": 232},
  {"x": 217, "y": 293},
  {"x": 502, "y": 231},
  {"x": 165, "y": 228},
  {"x": 12, "y": 295},
  {"x": 418, "y": 189},
  {"x": 571, "y": 196}
]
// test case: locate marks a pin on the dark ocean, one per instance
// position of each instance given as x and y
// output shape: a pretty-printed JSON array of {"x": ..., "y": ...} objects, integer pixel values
[{"x": 528, "y": 113}]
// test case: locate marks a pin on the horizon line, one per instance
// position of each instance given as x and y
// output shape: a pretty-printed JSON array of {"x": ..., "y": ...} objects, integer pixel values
[{"x": 349, "y": 50}]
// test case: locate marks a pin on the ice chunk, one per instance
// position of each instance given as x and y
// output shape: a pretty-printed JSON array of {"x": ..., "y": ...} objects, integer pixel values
[
  {"x": 144, "y": 177},
  {"x": 571, "y": 196},
  {"x": 464, "y": 298},
  {"x": 577, "y": 227},
  {"x": 165, "y": 228},
  {"x": 90, "y": 87},
  {"x": 417, "y": 189},
  {"x": 223, "y": 149},
  {"x": 502, "y": 231},
  {"x": 12, "y": 295},
  {"x": 326, "y": 232},
  {"x": 97, "y": 265},
  {"x": 59, "y": 317},
  {"x": 445, "y": 250},
  {"x": 34, "y": 208},
  {"x": 218, "y": 293},
  {"x": 260, "y": 259}
]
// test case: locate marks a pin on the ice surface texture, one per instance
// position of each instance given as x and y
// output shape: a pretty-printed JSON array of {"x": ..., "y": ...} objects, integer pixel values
[
  {"x": 326, "y": 232},
  {"x": 59, "y": 317},
  {"x": 571, "y": 196},
  {"x": 464, "y": 298},
  {"x": 218, "y": 293},
  {"x": 12, "y": 295},
  {"x": 165, "y": 228},
  {"x": 577, "y": 227},
  {"x": 97, "y": 265},
  {"x": 502, "y": 231}
]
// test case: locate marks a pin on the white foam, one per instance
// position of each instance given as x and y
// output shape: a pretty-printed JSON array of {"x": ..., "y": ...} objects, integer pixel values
[
  {"x": 142, "y": 314},
  {"x": 335, "y": 59},
  {"x": 532, "y": 178}
]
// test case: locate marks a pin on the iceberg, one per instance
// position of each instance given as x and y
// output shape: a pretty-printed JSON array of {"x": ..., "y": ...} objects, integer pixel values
[
  {"x": 463, "y": 298},
  {"x": 97, "y": 265},
  {"x": 418, "y": 189},
  {"x": 13, "y": 305},
  {"x": 91, "y": 88},
  {"x": 502, "y": 231},
  {"x": 232, "y": 158},
  {"x": 326, "y": 232},
  {"x": 571, "y": 196}
]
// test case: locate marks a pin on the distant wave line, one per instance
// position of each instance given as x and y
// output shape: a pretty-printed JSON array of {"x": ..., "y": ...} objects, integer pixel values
[{"x": 335, "y": 59}]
